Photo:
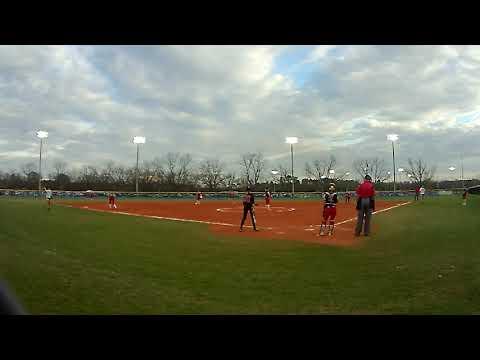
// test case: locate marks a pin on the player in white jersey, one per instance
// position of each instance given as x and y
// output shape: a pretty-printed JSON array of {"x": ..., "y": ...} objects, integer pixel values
[{"x": 48, "y": 195}]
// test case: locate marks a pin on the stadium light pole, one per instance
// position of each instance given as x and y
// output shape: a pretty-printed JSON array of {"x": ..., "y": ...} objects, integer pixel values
[
  {"x": 274, "y": 174},
  {"x": 137, "y": 140},
  {"x": 346, "y": 174},
  {"x": 452, "y": 169},
  {"x": 401, "y": 170},
  {"x": 41, "y": 135},
  {"x": 292, "y": 140},
  {"x": 463, "y": 181},
  {"x": 393, "y": 138}
]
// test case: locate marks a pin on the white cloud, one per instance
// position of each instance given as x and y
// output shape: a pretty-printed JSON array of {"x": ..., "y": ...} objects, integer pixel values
[{"x": 225, "y": 100}]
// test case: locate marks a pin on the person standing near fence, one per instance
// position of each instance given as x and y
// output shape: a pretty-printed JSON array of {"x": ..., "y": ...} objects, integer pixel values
[
  {"x": 365, "y": 206},
  {"x": 417, "y": 192},
  {"x": 464, "y": 197},
  {"x": 49, "y": 196},
  {"x": 422, "y": 192}
]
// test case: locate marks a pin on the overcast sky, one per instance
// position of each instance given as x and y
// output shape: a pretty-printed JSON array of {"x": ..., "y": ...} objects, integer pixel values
[{"x": 222, "y": 101}]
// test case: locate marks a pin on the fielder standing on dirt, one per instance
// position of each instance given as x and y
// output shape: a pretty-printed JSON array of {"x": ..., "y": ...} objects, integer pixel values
[
  {"x": 365, "y": 206},
  {"x": 248, "y": 206}
]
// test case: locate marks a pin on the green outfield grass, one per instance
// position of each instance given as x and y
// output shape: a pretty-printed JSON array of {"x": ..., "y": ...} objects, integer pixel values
[{"x": 424, "y": 259}]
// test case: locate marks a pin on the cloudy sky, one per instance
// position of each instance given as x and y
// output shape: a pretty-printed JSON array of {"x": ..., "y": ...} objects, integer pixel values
[{"x": 221, "y": 101}]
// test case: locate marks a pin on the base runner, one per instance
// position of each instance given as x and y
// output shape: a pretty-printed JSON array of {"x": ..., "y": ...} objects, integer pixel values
[
  {"x": 48, "y": 195},
  {"x": 111, "y": 201},
  {"x": 248, "y": 206},
  {"x": 329, "y": 211},
  {"x": 268, "y": 198}
]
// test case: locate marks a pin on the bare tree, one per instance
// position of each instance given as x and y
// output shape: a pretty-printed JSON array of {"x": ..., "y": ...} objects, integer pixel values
[
  {"x": 258, "y": 167},
  {"x": 320, "y": 168},
  {"x": 375, "y": 167},
  {"x": 28, "y": 168},
  {"x": 171, "y": 164},
  {"x": 253, "y": 165},
  {"x": 177, "y": 169},
  {"x": 420, "y": 172},
  {"x": 60, "y": 167},
  {"x": 159, "y": 171},
  {"x": 247, "y": 164},
  {"x": 184, "y": 169},
  {"x": 211, "y": 173},
  {"x": 231, "y": 180}
]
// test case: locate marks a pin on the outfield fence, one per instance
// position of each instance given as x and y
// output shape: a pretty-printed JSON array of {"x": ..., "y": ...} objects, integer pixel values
[{"x": 220, "y": 195}]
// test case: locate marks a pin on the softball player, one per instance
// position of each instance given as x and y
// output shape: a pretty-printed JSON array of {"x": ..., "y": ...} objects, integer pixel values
[
  {"x": 48, "y": 195},
  {"x": 111, "y": 201},
  {"x": 268, "y": 198},
  {"x": 248, "y": 206},
  {"x": 329, "y": 211}
]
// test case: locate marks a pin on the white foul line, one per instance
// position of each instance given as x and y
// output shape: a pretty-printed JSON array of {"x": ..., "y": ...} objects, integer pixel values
[
  {"x": 375, "y": 212},
  {"x": 170, "y": 218}
]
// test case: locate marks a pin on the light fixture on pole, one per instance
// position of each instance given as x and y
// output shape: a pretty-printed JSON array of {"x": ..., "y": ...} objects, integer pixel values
[
  {"x": 452, "y": 169},
  {"x": 274, "y": 174},
  {"x": 41, "y": 135},
  {"x": 463, "y": 179},
  {"x": 401, "y": 170},
  {"x": 393, "y": 138},
  {"x": 346, "y": 186},
  {"x": 292, "y": 140},
  {"x": 137, "y": 140}
]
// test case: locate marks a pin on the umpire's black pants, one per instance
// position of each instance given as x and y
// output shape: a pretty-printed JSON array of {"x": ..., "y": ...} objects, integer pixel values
[{"x": 247, "y": 209}]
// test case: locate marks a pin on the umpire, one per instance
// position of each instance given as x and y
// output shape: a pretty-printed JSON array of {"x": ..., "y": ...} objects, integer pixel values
[
  {"x": 365, "y": 206},
  {"x": 248, "y": 204}
]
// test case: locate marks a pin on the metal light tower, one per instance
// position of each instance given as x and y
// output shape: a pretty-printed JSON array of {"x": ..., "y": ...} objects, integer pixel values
[
  {"x": 41, "y": 135},
  {"x": 452, "y": 169},
  {"x": 292, "y": 140},
  {"x": 393, "y": 138},
  {"x": 137, "y": 140},
  {"x": 401, "y": 170},
  {"x": 274, "y": 174},
  {"x": 346, "y": 186}
]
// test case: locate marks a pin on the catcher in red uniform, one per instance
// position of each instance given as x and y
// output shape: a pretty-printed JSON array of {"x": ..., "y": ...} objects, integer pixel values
[{"x": 329, "y": 211}]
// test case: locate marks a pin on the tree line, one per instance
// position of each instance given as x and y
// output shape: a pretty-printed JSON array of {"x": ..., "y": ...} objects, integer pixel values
[{"x": 179, "y": 172}]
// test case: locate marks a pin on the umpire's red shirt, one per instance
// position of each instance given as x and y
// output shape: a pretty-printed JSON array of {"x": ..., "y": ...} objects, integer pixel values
[{"x": 366, "y": 190}]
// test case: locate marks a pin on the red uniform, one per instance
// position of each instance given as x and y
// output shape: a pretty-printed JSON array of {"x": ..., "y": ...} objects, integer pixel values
[
  {"x": 111, "y": 201},
  {"x": 268, "y": 197},
  {"x": 365, "y": 190},
  {"x": 330, "y": 207}
]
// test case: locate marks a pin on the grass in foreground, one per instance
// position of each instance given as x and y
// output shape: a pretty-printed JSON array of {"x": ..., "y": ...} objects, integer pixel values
[{"x": 424, "y": 259}]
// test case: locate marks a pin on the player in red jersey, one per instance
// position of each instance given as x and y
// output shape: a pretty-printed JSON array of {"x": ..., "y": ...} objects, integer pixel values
[
  {"x": 198, "y": 197},
  {"x": 111, "y": 201},
  {"x": 268, "y": 198},
  {"x": 464, "y": 197},
  {"x": 329, "y": 211}
]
